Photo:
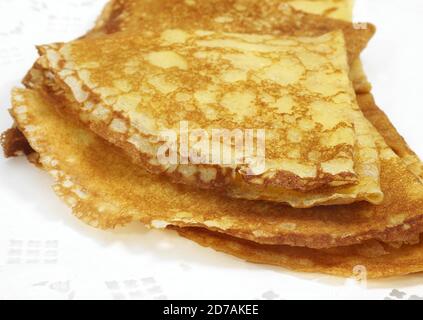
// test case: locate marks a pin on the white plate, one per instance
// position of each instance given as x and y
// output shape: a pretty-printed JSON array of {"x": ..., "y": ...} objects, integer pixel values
[{"x": 47, "y": 253}]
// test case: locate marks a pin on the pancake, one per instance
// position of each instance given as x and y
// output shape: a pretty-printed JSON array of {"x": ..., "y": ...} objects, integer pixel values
[
  {"x": 234, "y": 82},
  {"x": 245, "y": 16},
  {"x": 105, "y": 190},
  {"x": 370, "y": 260},
  {"x": 338, "y": 9}
]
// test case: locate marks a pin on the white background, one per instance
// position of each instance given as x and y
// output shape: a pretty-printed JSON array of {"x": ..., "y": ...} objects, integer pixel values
[{"x": 47, "y": 253}]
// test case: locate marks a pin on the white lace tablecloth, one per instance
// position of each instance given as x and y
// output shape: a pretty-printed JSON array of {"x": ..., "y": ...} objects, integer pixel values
[{"x": 47, "y": 253}]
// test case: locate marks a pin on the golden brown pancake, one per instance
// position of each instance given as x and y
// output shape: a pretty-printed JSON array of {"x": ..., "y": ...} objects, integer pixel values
[
  {"x": 380, "y": 260},
  {"x": 105, "y": 190},
  {"x": 48, "y": 130},
  {"x": 135, "y": 88},
  {"x": 309, "y": 24},
  {"x": 295, "y": 22},
  {"x": 126, "y": 16}
]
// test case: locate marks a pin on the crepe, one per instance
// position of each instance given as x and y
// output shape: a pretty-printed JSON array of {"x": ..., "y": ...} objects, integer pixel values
[
  {"x": 359, "y": 79},
  {"x": 338, "y": 9},
  {"x": 234, "y": 82},
  {"x": 128, "y": 14},
  {"x": 106, "y": 190},
  {"x": 370, "y": 260}
]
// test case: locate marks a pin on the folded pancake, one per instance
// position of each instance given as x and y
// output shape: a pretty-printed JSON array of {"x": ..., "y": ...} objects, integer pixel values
[
  {"x": 343, "y": 10},
  {"x": 243, "y": 16},
  {"x": 131, "y": 89},
  {"x": 105, "y": 190},
  {"x": 369, "y": 260}
]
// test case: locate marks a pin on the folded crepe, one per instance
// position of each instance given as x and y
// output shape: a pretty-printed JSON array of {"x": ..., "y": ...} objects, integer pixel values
[
  {"x": 132, "y": 89},
  {"x": 106, "y": 189},
  {"x": 290, "y": 17}
]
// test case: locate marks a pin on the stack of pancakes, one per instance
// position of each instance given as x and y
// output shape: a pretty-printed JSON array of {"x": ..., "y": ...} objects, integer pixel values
[{"x": 339, "y": 187}]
